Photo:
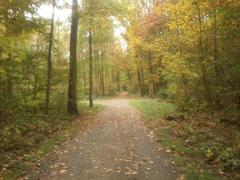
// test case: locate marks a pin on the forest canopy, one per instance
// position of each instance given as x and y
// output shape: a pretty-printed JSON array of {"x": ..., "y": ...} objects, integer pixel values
[{"x": 184, "y": 51}]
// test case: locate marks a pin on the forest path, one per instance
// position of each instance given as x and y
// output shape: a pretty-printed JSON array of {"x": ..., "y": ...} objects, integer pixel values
[{"x": 116, "y": 147}]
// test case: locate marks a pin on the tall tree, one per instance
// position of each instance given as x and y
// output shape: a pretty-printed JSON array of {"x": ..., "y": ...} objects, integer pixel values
[
  {"x": 90, "y": 69},
  {"x": 102, "y": 74},
  {"x": 49, "y": 68},
  {"x": 72, "y": 86},
  {"x": 202, "y": 56}
]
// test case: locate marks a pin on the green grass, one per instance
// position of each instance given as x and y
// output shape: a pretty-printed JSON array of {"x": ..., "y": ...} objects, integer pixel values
[
  {"x": 190, "y": 168},
  {"x": 84, "y": 109},
  {"x": 67, "y": 129},
  {"x": 152, "y": 108}
]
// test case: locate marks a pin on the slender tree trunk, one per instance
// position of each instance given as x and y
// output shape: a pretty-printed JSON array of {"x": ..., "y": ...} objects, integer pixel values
[
  {"x": 130, "y": 80},
  {"x": 142, "y": 77},
  {"x": 215, "y": 50},
  {"x": 151, "y": 91},
  {"x": 98, "y": 72},
  {"x": 140, "y": 82},
  {"x": 113, "y": 76},
  {"x": 118, "y": 81},
  {"x": 35, "y": 77},
  {"x": 218, "y": 74},
  {"x": 90, "y": 69},
  {"x": 207, "y": 92},
  {"x": 9, "y": 87},
  {"x": 72, "y": 87},
  {"x": 49, "y": 70},
  {"x": 84, "y": 68},
  {"x": 183, "y": 76},
  {"x": 185, "y": 89},
  {"x": 102, "y": 73}
]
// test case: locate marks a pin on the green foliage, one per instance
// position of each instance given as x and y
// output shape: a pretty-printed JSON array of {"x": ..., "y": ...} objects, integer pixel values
[
  {"x": 29, "y": 138},
  {"x": 178, "y": 50},
  {"x": 162, "y": 94},
  {"x": 229, "y": 160},
  {"x": 152, "y": 108},
  {"x": 195, "y": 142},
  {"x": 193, "y": 174},
  {"x": 89, "y": 111},
  {"x": 181, "y": 49},
  {"x": 13, "y": 16}
]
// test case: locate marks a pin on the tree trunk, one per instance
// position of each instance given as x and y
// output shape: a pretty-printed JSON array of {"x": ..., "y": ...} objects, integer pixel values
[
  {"x": 184, "y": 79},
  {"x": 202, "y": 60},
  {"x": 72, "y": 87},
  {"x": 142, "y": 77},
  {"x": 102, "y": 73},
  {"x": 140, "y": 82},
  {"x": 129, "y": 87},
  {"x": 49, "y": 70},
  {"x": 35, "y": 77},
  {"x": 218, "y": 74},
  {"x": 118, "y": 81},
  {"x": 90, "y": 69},
  {"x": 8, "y": 91},
  {"x": 151, "y": 91}
]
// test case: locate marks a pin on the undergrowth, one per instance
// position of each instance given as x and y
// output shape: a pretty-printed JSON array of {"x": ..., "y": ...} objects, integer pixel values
[
  {"x": 28, "y": 138},
  {"x": 204, "y": 148}
]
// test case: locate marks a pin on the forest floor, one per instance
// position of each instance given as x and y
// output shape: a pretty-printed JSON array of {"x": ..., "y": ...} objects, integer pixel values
[
  {"x": 123, "y": 138},
  {"x": 115, "y": 146},
  {"x": 30, "y": 137},
  {"x": 203, "y": 147}
]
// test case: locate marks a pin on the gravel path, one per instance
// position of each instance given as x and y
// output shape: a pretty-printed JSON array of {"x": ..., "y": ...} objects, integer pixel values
[{"x": 116, "y": 147}]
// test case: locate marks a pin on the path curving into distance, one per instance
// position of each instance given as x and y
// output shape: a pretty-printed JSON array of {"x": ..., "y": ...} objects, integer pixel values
[{"x": 116, "y": 147}]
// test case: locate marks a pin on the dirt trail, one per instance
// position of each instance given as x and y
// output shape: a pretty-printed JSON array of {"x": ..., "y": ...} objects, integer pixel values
[{"x": 117, "y": 147}]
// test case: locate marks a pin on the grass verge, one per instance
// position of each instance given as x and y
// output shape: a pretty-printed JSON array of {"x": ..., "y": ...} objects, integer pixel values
[
  {"x": 203, "y": 149},
  {"x": 25, "y": 142},
  {"x": 152, "y": 108}
]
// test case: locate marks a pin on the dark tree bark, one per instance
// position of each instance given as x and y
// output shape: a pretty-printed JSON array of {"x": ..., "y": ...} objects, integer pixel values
[
  {"x": 72, "y": 87},
  {"x": 218, "y": 74},
  {"x": 102, "y": 74},
  {"x": 140, "y": 82},
  {"x": 118, "y": 81},
  {"x": 130, "y": 80},
  {"x": 90, "y": 68},
  {"x": 49, "y": 70},
  {"x": 35, "y": 87},
  {"x": 151, "y": 91}
]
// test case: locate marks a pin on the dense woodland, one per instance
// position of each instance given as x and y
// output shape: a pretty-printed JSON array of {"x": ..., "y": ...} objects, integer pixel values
[{"x": 186, "y": 52}]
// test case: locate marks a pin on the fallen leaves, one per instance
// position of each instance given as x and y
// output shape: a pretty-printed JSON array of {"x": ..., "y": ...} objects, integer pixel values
[
  {"x": 182, "y": 177},
  {"x": 130, "y": 171},
  {"x": 119, "y": 145},
  {"x": 63, "y": 171},
  {"x": 108, "y": 170}
]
